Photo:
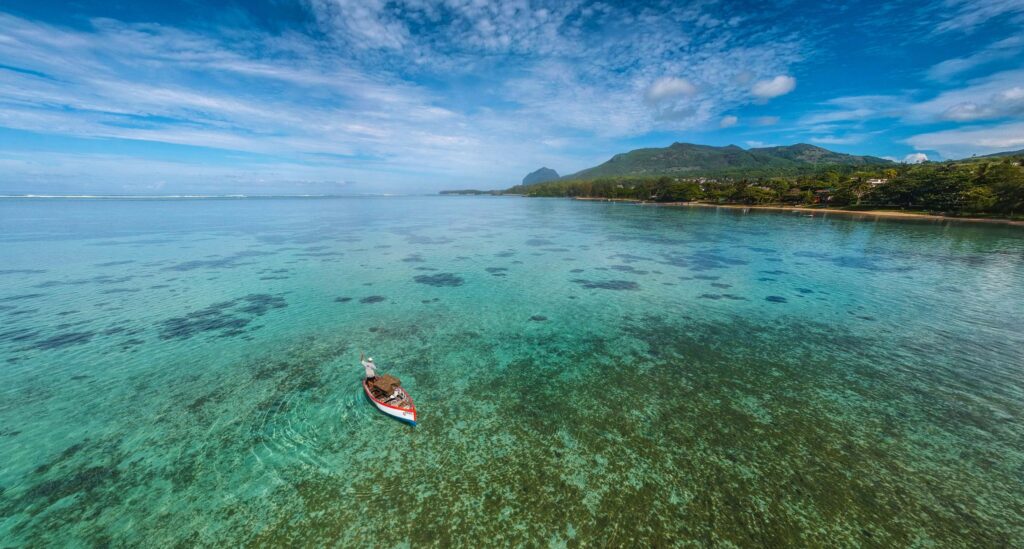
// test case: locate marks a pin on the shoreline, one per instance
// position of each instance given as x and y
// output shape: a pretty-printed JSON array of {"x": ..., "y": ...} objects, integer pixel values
[{"x": 891, "y": 214}]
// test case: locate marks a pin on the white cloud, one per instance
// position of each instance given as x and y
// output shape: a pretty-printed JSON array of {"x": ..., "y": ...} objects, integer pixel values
[
  {"x": 728, "y": 121},
  {"x": 668, "y": 88},
  {"x": 996, "y": 96},
  {"x": 915, "y": 158},
  {"x": 1002, "y": 49},
  {"x": 999, "y": 95},
  {"x": 780, "y": 85},
  {"x": 968, "y": 15},
  {"x": 849, "y": 139},
  {"x": 766, "y": 120},
  {"x": 963, "y": 142},
  {"x": 759, "y": 144},
  {"x": 856, "y": 109}
]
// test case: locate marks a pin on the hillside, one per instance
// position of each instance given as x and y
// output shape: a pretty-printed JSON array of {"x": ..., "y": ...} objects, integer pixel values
[
  {"x": 540, "y": 176},
  {"x": 1002, "y": 154},
  {"x": 687, "y": 159}
]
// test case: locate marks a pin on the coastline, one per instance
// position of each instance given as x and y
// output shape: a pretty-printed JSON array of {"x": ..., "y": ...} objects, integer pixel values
[{"x": 891, "y": 214}]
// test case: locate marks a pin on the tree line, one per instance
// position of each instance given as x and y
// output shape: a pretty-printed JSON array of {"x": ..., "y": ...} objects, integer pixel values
[{"x": 987, "y": 186}]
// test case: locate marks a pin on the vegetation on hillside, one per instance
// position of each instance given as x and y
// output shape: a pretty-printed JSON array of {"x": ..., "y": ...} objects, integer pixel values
[
  {"x": 993, "y": 185},
  {"x": 691, "y": 160}
]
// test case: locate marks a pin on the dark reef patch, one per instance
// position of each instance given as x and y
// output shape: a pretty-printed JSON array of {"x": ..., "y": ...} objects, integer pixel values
[
  {"x": 539, "y": 242},
  {"x": 229, "y": 318},
  {"x": 61, "y": 341},
  {"x": 416, "y": 239},
  {"x": 225, "y": 262},
  {"x": 703, "y": 260},
  {"x": 706, "y": 277},
  {"x": 775, "y": 299},
  {"x": 629, "y": 258},
  {"x": 440, "y": 279},
  {"x": 538, "y": 318},
  {"x": 342, "y": 299},
  {"x": 627, "y": 269},
  {"x": 260, "y": 304},
  {"x": 100, "y": 279},
  {"x": 18, "y": 334},
  {"x": 414, "y": 258},
  {"x": 867, "y": 262},
  {"x": 805, "y": 290},
  {"x": 320, "y": 254},
  {"x": 20, "y": 297},
  {"x": 731, "y": 297},
  {"x": 20, "y": 271},
  {"x": 721, "y": 285},
  {"x": 607, "y": 284},
  {"x": 373, "y": 299},
  {"x": 576, "y": 270}
]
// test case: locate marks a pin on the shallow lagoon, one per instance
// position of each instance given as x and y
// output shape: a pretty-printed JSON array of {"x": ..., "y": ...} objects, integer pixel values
[{"x": 186, "y": 372}]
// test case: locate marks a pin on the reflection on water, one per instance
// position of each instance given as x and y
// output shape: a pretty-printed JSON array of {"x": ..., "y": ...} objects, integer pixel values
[{"x": 186, "y": 373}]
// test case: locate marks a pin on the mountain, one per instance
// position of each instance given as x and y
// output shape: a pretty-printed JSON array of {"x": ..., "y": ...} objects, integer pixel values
[
  {"x": 687, "y": 159},
  {"x": 1006, "y": 153},
  {"x": 540, "y": 176}
]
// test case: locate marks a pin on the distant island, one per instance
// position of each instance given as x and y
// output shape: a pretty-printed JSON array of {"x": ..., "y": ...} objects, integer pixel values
[{"x": 794, "y": 175}]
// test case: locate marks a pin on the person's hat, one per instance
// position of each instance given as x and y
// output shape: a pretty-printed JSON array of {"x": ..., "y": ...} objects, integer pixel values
[{"x": 370, "y": 359}]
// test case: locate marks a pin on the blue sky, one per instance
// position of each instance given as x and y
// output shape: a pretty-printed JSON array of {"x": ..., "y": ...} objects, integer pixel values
[{"x": 342, "y": 96}]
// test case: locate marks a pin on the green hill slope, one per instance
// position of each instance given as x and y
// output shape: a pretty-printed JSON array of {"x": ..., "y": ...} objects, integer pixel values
[{"x": 690, "y": 160}]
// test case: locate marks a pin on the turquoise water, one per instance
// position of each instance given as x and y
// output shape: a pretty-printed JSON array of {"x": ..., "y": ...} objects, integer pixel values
[{"x": 186, "y": 372}]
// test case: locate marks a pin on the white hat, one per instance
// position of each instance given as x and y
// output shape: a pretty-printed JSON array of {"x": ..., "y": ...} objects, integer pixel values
[{"x": 370, "y": 359}]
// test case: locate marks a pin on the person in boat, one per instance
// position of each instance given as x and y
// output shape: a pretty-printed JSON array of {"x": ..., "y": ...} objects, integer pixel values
[
  {"x": 371, "y": 368},
  {"x": 397, "y": 395}
]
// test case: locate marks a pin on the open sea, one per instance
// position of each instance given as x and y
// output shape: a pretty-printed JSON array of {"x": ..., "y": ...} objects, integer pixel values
[{"x": 185, "y": 372}]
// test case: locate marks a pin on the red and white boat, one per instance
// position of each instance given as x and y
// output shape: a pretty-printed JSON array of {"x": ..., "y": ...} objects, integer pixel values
[{"x": 402, "y": 410}]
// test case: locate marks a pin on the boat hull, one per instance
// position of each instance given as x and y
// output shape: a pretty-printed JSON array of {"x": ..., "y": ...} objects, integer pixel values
[{"x": 401, "y": 414}]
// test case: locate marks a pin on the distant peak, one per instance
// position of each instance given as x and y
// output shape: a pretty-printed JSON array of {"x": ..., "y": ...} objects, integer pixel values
[{"x": 540, "y": 176}]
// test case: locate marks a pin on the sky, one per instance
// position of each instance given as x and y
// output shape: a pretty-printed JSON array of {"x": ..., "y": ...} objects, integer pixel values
[{"x": 368, "y": 96}]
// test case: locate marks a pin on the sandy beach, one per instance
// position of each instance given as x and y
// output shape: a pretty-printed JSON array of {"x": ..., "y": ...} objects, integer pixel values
[{"x": 893, "y": 214}]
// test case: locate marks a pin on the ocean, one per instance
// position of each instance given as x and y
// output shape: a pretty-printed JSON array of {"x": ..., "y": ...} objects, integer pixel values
[{"x": 186, "y": 372}]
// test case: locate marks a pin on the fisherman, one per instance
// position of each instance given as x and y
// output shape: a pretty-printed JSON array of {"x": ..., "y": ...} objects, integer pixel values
[{"x": 371, "y": 368}]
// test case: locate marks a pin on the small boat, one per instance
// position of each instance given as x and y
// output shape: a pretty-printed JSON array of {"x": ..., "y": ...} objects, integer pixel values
[{"x": 402, "y": 409}]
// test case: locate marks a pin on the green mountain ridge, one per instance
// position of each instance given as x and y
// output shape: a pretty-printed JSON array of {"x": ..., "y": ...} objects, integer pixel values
[
  {"x": 1001, "y": 154},
  {"x": 692, "y": 160}
]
